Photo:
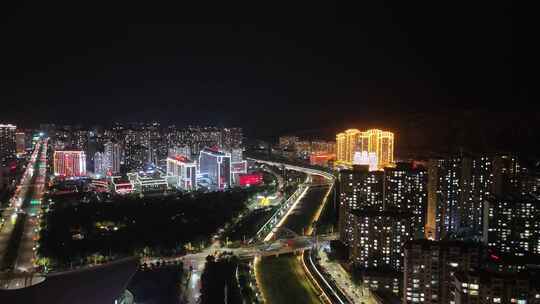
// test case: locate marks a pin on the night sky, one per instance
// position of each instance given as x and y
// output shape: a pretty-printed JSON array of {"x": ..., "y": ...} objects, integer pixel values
[{"x": 269, "y": 68}]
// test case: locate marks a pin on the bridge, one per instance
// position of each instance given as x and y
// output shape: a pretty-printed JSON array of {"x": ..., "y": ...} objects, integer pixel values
[{"x": 326, "y": 175}]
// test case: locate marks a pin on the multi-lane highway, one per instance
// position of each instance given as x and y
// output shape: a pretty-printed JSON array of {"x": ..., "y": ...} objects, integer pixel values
[
  {"x": 332, "y": 293},
  {"x": 32, "y": 209},
  {"x": 18, "y": 237}
]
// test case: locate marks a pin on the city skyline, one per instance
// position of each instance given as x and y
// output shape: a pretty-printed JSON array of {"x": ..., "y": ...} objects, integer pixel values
[
  {"x": 307, "y": 153},
  {"x": 382, "y": 71}
]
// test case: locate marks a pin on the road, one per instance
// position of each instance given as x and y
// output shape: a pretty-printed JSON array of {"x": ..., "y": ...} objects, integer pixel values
[
  {"x": 22, "y": 214},
  {"x": 32, "y": 207},
  {"x": 299, "y": 220},
  {"x": 334, "y": 290},
  {"x": 341, "y": 279}
]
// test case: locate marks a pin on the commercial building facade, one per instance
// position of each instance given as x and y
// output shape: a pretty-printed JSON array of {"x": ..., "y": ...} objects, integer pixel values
[
  {"x": 7, "y": 142},
  {"x": 69, "y": 163},
  {"x": 183, "y": 172},
  {"x": 215, "y": 166}
]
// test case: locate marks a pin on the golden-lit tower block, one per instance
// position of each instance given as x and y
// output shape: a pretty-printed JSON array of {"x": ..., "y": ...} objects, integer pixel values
[
  {"x": 341, "y": 147},
  {"x": 371, "y": 141},
  {"x": 379, "y": 142},
  {"x": 351, "y": 144}
]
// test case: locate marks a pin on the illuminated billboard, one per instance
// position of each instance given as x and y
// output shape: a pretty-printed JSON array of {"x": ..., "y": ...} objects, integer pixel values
[{"x": 251, "y": 179}]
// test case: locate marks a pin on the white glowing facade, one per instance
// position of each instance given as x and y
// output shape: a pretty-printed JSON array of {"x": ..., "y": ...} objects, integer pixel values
[
  {"x": 182, "y": 172},
  {"x": 215, "y": 166},
  {"x": 366, "y": 158},
  {"x": 112, "y": 157}
]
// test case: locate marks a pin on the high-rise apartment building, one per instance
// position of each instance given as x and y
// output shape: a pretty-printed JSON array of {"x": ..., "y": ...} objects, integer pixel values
[
  {"x": 381, "y": 143},
  {"x": 232, "y": 138},
  {"x": 7, "y": 142},
  {"x": 512, "y": 224},
  {"x": 484, "y": 286},
  {"x": 457, "y": 189},
  {"x": 180, "y": 150},
  {"x": 378, "y": 238},
  {"x": 69, "y": 163},
  {"x": 429, "y": 268},
  {"x": 359, "y": 189},
  {"x": 341, "y": 147},
  {"x": 112, "y": 157},
  {"x": 405, "y": 189}
]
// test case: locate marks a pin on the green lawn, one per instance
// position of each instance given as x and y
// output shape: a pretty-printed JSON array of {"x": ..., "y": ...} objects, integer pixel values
[{"x": 283, "y": 281}]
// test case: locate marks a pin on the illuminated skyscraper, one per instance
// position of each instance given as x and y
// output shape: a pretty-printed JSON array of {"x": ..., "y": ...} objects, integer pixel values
[
  {"x": 216, "y": 167},
  {"x": 458, "y": 187},
  {"x": 377, "y": 142},
  {"x": 69, "y": 163},
  {"x": 512, "y": 224},
  {"x": 351, "y": 144},
  {"x": 429, "y": 268},
  {"x": 7, "y": 142},
  {"x": 99, "y": 164},
  {"x": 112, "y": 157},
  {"x": 341, "y": 147},
  {"x": 378, "y": 238},
  {"x": 405, "y": 189},
  {"x": 360, "y": 189}
]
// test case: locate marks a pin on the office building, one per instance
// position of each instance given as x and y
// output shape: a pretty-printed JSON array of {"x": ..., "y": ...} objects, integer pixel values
[
  {"x": 7, "y": 143},
  {"x": 100, "y": 167},
  {"x": 69, "y": 163},
  {"x": 237, "y": 155},
  {"x": 147, "y": 183},
  {"x": 182, "y": 172},
  {"x": 20, "y": 143},
  {"x": 429, "y": 268},
  {"x": 215, "y": 168}
]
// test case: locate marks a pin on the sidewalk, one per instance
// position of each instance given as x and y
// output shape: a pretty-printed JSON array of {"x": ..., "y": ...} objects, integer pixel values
[{"x": 343, "y": 280}]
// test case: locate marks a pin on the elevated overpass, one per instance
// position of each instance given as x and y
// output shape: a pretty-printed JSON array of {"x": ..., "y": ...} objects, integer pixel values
[{"x": 326, "y": 175}]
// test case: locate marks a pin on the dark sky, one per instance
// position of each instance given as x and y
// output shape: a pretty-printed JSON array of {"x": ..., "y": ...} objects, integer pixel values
[{"x": 268, "y": 68}]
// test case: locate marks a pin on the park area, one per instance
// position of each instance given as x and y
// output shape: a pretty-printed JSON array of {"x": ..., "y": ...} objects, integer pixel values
[{"x": 283, "y": 279}]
